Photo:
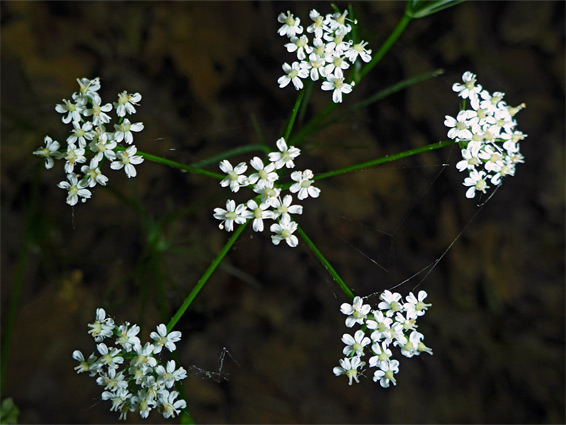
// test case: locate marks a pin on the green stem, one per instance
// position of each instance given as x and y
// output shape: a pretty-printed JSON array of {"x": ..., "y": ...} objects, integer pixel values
[
  {"x": 385, "y": 47},
  {"x": 294, "y": 114},
  {"x": 325, "y": 263},
  {"x": 388, "y": 158},
  {"x": 175, "y": 164},
  {"x": 205, "y": 278}
]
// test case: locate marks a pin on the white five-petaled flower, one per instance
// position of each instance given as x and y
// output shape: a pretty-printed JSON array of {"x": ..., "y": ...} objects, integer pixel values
[
  {"x": 127, "y": 159},
  {"x": 358, "y": 49},
  {"x": 126, "y": 102},
  {"x": 80, "y": 133},
  {"x": 293, "y": 73},
  {"x": 468, "y": 89},
  {"x": 103, "y": 147},
  {"x": 98, "y": 112},
  {"x": 291, "y": 25},
  {"x": 283, "y": 207},
  {"x": 75, "y": 189},
  {"x": 50, "y": 151},
  {"x": 264, "y": 175},
  {"x": 235, "y": 175},
  {"x": 304, "y": 183},
  {"x": 171, "y": 406},
  {"x": 93, "y": 175},
  {"x": 73, "y": 111},
  {"x": 349, "y": 367},
  {"x": 124, "y": 131},
  {"x": 385, "y": 373},
  {"x": 170, "y": 375},
  {"x": 390, "y": 302},
  {"x": 476, "y": 181},
  {"x": 355, "y": 344},
  {"x": 165, "y": 339},
  {"x": 336, "y": 82},
  {"x": 73, "y": 156},
  {"x": 284, "y": 231},
  {"x": 356, "y": 312},
  {"x": 230, "y": 215},
  {"x": 285, "y": 155},
  {"x": 258, "y": 213}
]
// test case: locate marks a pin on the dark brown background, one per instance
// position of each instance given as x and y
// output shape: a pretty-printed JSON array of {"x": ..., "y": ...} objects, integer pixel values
[{"x": 204, "y": 70}]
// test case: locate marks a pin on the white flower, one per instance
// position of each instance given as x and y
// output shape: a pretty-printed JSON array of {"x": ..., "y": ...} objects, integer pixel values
[
  {"x": 84, "y": 365},
  {"x": 356, "y": 312},
  {"x": 258, "y": 213},
  {"x": 170, "y": 406},
  {"x": 163, "y": 338},
  {"x": 382, "y": 326},
  {"x": 476, "y": 181},
  {"x": 318, "y": 22},
  {"x": 284, "y": 231},
  {"x": 144, "y": 357},
  {"x": 88, "y": 88},
  {"x": 459, "y": 127},
  {"x": 75, "y": 189},
  {"x": 264, "y": 176},
  {"x": 304, "y": 183},
  {"x": 291, "y": 25},
  {"x": 469, "y": 89},
  {"x": 390, "y": 302},
  {"x": 230, "y": 215},
  {"x": 299, "y": 45},
  {"x": 235, "y": 176},
  {"x": 109, "y": 357},
  {"x": 285, "y": 155},
  {"x": 73, "y": 111},
  {"x": 337, "y": 23},
  {"x": 127, "y": 159},
  {"x": 293, "y": 73},
  {"x": 268, "y": 194},
  {"x": 98, "y": 112},
  {"x": 81, "y": 133},
  {"x": 335, "y": 62},
  {"x": 469, "y": 160},
  {"x": 49, "y": 152},
  {"x": 385, "y": 373},
  {"x": 359, "y": 49},
  {"x": 356, "y": 343},
  {"x": 93, "y": 175},
  {"x": 415, "y": 306},
  {"x": 336, "y": 82},
  {"x": 103, "y": 147},
  {"x": 126, "y": 103},
  {"x": 127, "y": 336},
  {"x": 168, "y": 376},
  {"x": 124, "y": 131},
  {"x": 73, "y": 156},
  {"x": 316, "y": 66},
  {"x": 349, "y": 367},
  {"x": 382, "y": 354},
  {"x": 284, "y": 208}
]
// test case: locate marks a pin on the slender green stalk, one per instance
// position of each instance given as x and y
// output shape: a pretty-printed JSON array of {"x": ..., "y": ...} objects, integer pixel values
[
  {"x": 294, "y": 114},
  {"x": 325, "y": 263},
  {"x": 205, "y": 278},
  {"x": 383, "y": 160},
  {"x": 386, "y": 46},
  {"x": 175, "y": 164}
]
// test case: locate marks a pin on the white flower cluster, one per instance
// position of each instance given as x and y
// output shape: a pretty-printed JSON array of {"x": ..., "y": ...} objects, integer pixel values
[
  {"x": 268, "y": 203},
  {"x": 326, "y": 56},
  {"x": 90, "y": 143},
  {"x": 144, "y": 383},
  {"x": 487, "y": 135},
  {"x": 393, "y": 323}
]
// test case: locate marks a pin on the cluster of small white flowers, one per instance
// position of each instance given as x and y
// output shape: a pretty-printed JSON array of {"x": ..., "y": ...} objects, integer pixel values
[
  {"x": 487, "y": 135},
  {"x": 90, "y": 143},
  {"x": 144, "y": 384},
  {"x": 268, "y": 203},
  {"x": 326, "y": 56},
  {"x": 394, "y": 322}
]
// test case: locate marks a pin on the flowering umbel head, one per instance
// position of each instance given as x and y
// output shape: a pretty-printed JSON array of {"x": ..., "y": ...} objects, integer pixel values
[
  {"x": 326, "y": 56},
  {"x": 268, "y": 203},
  {"x": 90, "y": 142},
  {"x": 134, "y": 379},
  {"x": 392, "y": 323},
  {"x": 487, "y": 135}
]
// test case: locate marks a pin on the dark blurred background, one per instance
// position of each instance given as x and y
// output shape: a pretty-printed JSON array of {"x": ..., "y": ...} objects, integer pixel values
[{"x": 206, "y": 72}]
